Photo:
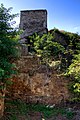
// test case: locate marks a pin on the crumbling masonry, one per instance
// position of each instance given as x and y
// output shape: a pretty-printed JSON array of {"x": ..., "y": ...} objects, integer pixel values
[{"x": 32, "y": 21}]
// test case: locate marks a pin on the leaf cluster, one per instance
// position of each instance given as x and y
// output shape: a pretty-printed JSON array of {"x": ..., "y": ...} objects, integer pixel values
[
  {"x": 74, "y": 72},
  {"x": 45, "y": 47},
  {"x": 64, "y": 47},
  {"x": 8, "y": 49}
]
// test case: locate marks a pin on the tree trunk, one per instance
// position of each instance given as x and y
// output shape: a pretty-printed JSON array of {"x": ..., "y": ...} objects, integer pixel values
[
  {"x": 2, "y": 95},
  {"x": 1, "y": 105}
]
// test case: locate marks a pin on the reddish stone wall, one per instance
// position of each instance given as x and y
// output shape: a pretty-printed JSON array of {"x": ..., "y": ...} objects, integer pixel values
[{"x": 38, "y": 83}]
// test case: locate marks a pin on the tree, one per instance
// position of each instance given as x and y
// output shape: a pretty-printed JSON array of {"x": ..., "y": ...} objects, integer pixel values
[{"x": 8, "y": 49}]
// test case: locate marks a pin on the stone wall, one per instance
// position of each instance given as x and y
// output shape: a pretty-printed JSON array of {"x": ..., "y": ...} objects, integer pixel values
[
  {"x": 38, "y": 83},
  {"x": 32, "y": 21}
]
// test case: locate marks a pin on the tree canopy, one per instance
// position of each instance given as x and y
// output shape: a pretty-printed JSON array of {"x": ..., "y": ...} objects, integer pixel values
[{"x": 8, "y": 49}]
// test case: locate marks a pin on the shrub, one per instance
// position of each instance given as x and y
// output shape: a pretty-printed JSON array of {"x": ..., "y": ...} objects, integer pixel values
[{"x": 74, "y": 73}]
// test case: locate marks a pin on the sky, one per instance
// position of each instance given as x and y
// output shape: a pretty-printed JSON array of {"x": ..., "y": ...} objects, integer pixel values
[{"x": 62, "y": 14}]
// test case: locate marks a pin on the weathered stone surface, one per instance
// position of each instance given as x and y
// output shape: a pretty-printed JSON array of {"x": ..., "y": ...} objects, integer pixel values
[
  {"x": 23, "y": 49},
  {"x": 77, "y": 116},
  {"x": 33, "y": 21},
  {"x": 37, "y": 83},
  {"x": 28, "y": 32}
]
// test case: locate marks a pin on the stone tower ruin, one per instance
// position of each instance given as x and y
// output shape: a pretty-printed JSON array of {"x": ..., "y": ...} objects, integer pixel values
[{"x": 32, "y": 21}]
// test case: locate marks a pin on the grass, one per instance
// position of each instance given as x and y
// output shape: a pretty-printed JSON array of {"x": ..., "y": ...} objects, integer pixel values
[{"x": 17, "y": 107}]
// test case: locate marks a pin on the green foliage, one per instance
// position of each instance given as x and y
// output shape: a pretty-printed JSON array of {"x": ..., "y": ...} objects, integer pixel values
[
  {"x": 74, "y": 73},
  {"x": 71, "y": 42},
  {"x": 8, "y": 49},
  {"x": 15, "y": 108},
  {"x": 63, "y": 47},
  {"x": 45, "y": 47},
  {"x": 74, "y": 68},
  {"x": 56, "y": 45},
  {"x": 18, "y": 108}
]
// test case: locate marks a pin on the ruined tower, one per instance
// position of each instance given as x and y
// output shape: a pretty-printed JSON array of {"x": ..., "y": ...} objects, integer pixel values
[{"x": 32, "y": 21}]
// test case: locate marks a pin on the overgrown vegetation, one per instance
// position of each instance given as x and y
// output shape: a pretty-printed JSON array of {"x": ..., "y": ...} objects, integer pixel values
[
  {"x": 59, "y": 47},
  {"x": 45, "y": 47},
  {"x": 16, "y": 108},
  {"x": 74, "y": 72},
  {"x": 63, "y": 47},
  {"x": 8, "y": 49}
]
